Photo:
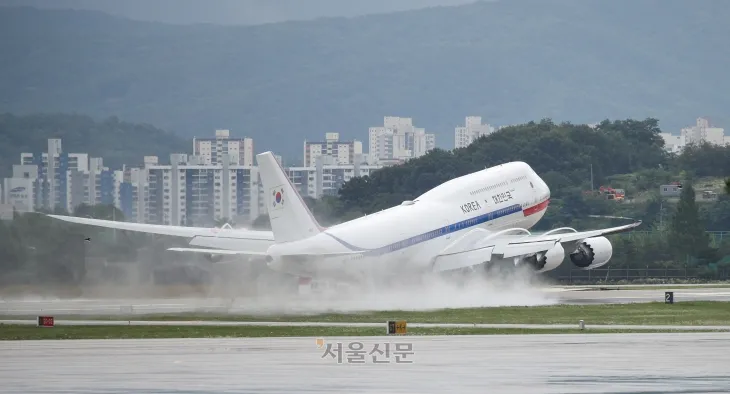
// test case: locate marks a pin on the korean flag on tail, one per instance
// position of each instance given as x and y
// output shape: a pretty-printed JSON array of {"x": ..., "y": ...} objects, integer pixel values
[{"x": 277, "y": 198}]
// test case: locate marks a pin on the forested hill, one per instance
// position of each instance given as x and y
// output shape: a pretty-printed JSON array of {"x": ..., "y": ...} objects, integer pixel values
[
  {"x": 562, "y": 154},
  {"x": 508, "y": 61},
  {"x": 626, "y": 154},
  {"x": 116, "y": 141}
]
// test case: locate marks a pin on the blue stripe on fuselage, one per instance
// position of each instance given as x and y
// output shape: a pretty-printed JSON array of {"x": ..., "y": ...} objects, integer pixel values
[{"x": 452, "y": 228}]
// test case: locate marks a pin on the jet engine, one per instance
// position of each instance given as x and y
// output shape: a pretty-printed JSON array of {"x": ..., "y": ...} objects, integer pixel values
[
  {"x": 213, "y": 258},
  {"x": 592, "y": 253},
  {"x": 222, "y": 258},
  {"x": 548, "y": 260}
]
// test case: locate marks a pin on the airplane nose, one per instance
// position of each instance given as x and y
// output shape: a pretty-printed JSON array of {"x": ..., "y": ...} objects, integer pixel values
[{"x": 544, "y": 187}]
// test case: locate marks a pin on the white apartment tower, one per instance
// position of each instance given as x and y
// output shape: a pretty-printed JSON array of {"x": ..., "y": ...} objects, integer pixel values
[
  {"x": 54, "y": 151},
  {"x": 325, "y": 177},
  {"x": 190, "y": 193},
  {"x": 673, "y": 143},
  {"x": 471, "y": 131},
  {"x": 342, "y": 152},
  {"x": 398, "y": 140},
  {"x": 703, "y": 132},
  {"x": 212, "y": 150}
]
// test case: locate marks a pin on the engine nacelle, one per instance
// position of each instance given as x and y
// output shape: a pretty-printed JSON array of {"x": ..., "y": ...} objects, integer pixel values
[
  {"x": 222, "y": 258},
  {"x": 547, "y": 261},
  {"x": 592, "y": 253},
  {"x": 213, "y": 258}
]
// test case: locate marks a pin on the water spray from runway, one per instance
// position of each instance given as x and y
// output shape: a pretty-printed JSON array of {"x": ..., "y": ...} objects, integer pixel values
[
  {"x": 518, "y": 288},
  {"x": 254, "y": 289}
]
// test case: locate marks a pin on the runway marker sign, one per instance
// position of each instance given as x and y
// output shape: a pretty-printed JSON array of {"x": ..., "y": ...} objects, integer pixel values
[
  {"x": 46, "y": 321},
  {"x": 669, "y": 297},
  {"x": 396, "y": 327}
]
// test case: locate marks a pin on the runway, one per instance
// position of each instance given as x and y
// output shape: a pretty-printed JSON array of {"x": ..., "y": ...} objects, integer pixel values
[
  {"x": 606, "y": 363},
  {"x": 140, "y": 306},
  {"x": 593, "y": 295},
  {"x": 218, "y": 323}
]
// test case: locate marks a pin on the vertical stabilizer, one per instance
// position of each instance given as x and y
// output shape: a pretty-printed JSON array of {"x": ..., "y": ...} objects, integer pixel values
[{"x": 290, "y": 218}]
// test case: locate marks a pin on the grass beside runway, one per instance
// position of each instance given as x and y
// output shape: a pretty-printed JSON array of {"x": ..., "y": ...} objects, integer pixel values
[
  {"x": 697, "y": 313},
  {"x": 26, "y": 332}
]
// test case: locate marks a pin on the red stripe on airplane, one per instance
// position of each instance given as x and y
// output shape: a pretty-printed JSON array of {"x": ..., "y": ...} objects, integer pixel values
[{"x": 536, "y": 208}]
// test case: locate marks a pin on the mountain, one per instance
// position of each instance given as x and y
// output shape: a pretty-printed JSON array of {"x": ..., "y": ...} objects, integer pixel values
[
  {"x": 508, "y": 61},
  {"x": 234, "y": 12},
  {"x": 116, "y": 141}
]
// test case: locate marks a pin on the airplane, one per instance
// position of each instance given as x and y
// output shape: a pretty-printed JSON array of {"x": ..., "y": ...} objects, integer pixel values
[{"x": 478, "y": 218}]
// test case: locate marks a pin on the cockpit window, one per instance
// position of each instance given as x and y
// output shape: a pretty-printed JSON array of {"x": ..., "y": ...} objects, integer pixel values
[{"x": 531, "y": 185}]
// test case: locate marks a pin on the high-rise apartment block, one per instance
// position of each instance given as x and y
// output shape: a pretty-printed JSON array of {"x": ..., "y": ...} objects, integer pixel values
[
  {"x": 211, "y": 150},
  {"x": 701, "y": 132},
  {"x": 58, "y": 180},
  {"x": 398, "y": 140},
  {"x": 342, "y": 152},
  {"x": 187, "y": 193},
  {"x": 326, "y": 176},
  {"x": 471, "y": 131}
]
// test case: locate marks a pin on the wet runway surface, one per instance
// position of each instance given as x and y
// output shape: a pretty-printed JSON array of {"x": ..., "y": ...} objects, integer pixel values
[
  {"x": 596, "y": 296},
  {"x": 568, "y": 363},
  {"x": 140, "y": 306}
]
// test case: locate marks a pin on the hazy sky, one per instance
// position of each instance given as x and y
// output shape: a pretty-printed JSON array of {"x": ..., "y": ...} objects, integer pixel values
[{"x": 235, "y": 11}]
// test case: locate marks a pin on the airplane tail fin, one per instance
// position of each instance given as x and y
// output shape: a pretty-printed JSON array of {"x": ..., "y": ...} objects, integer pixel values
[{"x": 290, "y": 218}]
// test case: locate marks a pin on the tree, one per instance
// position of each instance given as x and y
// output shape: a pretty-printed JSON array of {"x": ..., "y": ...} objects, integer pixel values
[
  {"x": 727, "y": 186},
  {"x": 687, "y": 235},
  {"x": 704, "y": 159},
  {"x": 653, "y": 212}
]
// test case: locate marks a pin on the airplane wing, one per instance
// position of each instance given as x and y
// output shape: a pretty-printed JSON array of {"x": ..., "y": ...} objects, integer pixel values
[
  {"x": 175, "y": 231},
  {"x": 479, "y": 245},
  {"x": 539, "y": 242}
]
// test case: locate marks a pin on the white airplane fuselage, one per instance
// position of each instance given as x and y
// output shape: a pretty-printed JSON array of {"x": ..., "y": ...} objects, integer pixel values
[{"x": 407, "y": 237}]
